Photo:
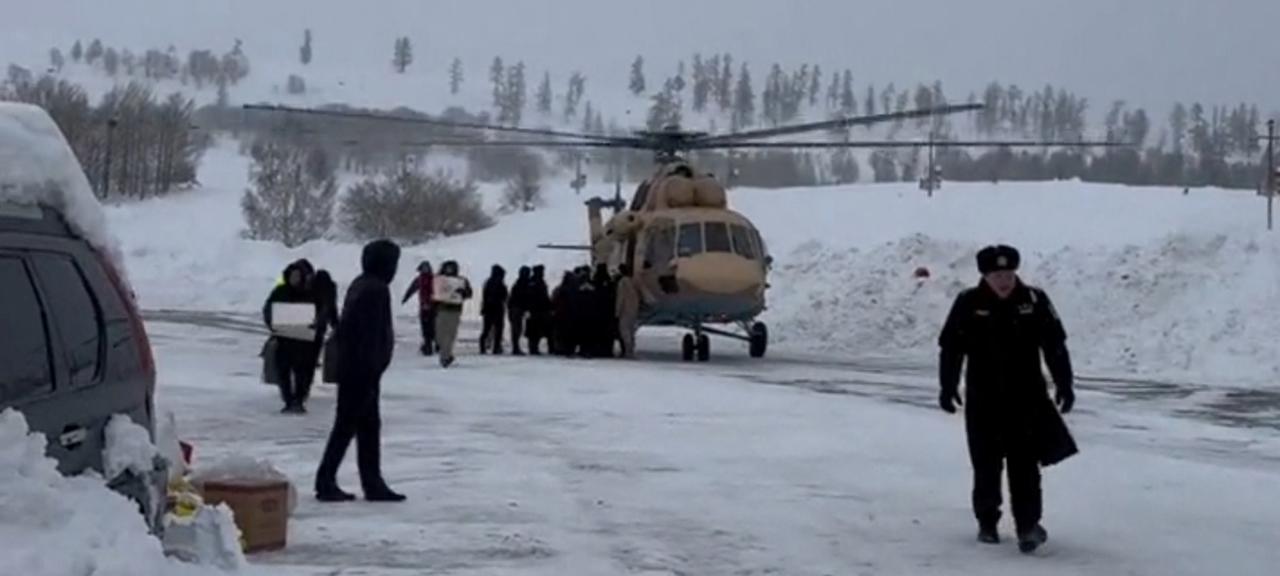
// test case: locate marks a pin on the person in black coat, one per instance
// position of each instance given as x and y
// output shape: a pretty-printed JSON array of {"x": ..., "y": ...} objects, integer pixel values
[
  {"x": 539, "y": 305},
  {"x": 1001, "y": 328},
  {"x": 366, "y": 341},
  {"x": 604, "y": 318},
  {"x": 295, "y": 360},
  {"x": 493, "y": 310},
  {"x": 326, "y": 295},
  {"x": 518, "y": 307}
]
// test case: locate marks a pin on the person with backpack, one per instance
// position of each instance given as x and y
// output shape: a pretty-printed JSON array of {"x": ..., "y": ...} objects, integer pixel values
[
  {"x": 422, "y": 285},
  {"x": 450, "y": 291}
]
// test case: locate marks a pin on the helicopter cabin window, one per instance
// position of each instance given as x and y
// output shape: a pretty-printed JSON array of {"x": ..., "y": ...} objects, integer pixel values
[
  {"x": 659, "y": 244},
  {"x": 742, "y": 244},
  {"x": 717, "y": 237},
  {"x": 690, "y": 243}
]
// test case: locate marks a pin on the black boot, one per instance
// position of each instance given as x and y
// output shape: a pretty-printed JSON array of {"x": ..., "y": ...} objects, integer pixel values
[
  {"x": 333, "y": 494},
  {"x": 384, "y": 495},
  {"x": 987, "y": 534},
  {"x": 1032, "y": 539}
]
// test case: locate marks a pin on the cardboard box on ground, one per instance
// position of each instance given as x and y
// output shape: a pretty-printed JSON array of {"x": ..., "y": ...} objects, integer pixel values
[{"x": 260, "y": 507}]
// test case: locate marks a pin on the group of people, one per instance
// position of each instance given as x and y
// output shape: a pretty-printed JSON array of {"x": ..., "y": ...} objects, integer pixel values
[
  {"x": 1002, "y": 329},
  {"x": 585, "y": 315},
  {"x": 295, "y": 356}
]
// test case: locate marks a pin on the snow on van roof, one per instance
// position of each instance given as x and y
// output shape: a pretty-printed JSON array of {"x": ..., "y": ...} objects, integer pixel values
[{"x": 37, "y": 167}]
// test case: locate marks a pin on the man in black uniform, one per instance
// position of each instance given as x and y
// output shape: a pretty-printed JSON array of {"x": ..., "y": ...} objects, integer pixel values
[
  {"x": 365, "y": 344},
  {"x": 1001, "y": 327},
  {"x": 539, "y": 326}
]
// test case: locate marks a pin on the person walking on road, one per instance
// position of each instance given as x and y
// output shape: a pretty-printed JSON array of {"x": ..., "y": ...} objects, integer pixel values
[
  {"x": 1001, "y": 328},
  {"x": 518, "y": 307},
  {"x": 449, "y": 293},
  {"x": 366, "y": 341},
  {"x": 493, "y": 310},
  {"x": 422, "y": 285},
  {"x": 295, "y": 353}
]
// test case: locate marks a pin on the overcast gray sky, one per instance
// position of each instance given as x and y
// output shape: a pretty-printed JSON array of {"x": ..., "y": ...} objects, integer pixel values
[{"x": 1149, "y": 52}]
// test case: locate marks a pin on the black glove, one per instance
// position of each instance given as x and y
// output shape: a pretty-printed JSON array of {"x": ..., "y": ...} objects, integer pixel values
[
  {"x": 1066, "y": 398},
  {"x": 948, "y": 400}
]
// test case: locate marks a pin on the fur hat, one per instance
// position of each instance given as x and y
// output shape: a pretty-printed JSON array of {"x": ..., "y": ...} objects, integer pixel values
[{"x": 997, "y": 258}]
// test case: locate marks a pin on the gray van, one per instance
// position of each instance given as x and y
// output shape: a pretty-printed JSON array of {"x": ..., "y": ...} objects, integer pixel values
[{"x": 74, "y": 351}]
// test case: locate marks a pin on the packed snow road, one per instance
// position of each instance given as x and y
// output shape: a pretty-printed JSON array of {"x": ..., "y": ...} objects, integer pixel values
[{"x": 790, "y": 465}]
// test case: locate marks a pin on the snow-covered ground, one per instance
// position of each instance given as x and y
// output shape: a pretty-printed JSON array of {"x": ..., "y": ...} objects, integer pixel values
[
  {"x": 1151, "y": 283},
  {"x": 793, "y": 465}
]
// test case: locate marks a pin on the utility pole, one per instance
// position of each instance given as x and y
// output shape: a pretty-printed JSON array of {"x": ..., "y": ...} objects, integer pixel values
[
  {"x": 1272, "y": 180},
  {"x": 106, "y": 162}
]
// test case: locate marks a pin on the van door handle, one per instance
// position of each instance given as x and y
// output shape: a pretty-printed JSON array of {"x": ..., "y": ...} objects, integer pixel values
[{"x": 73, "y": 436}]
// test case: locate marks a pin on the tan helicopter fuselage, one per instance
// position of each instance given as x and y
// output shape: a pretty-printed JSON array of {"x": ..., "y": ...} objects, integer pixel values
[{"x": 695, "y": 260}]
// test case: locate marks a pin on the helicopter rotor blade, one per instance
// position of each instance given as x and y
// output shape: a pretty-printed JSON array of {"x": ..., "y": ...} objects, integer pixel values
[
  {"x": 834, "y": 124},
  {"x": 357, "y": 115},
  {"x": 621, "y": 143},
  {"x": 911, "y": 144}
]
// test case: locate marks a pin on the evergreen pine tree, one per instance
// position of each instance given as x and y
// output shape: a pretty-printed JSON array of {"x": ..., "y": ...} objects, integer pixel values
[
  {"x": 403, "y": 56},
  {"x": 744, "y": 100},
  {"x": 304, "y": 53},
  {"x": 833, "y": 91},
  {"x": 77, "y": 52},
  {"x": 516, "y": 96},
  {"x": 637, "y": 85},
  {"x": 848, "y": 100},
  {"x": 573, "y": 96},
  {"x": 455, "y": 76},
  {"x": 497, "y": 79},
  {"x": 94, "y": 53},
  {"x": 56, "y": 59},
  {"x": 588, "y": 116},
  {"x": 701, "y": 84},
  {"x": 869, "y": 105},
  {"x": 111, "y": 61},
  {"x": 815, "y": 85},
  {"x": 544, "y": 95},
  {"x": 1178, "y": 127},
  {"x": 728, "y": 95},
  {"x": 678, "y": 83}
]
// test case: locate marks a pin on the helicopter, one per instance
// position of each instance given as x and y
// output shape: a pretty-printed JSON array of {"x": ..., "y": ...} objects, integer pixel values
[{"x": 699, "y": 265}]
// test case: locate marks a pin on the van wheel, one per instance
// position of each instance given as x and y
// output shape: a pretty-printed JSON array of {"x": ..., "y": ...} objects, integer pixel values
[
  {"x": 687, "y": 348},
  {"x": 758, "y": 340},
  {"x": 704, "y": 348}
]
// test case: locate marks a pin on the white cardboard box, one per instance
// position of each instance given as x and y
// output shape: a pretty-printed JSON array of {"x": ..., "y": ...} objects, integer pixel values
[{"x": 295, "y": 321}]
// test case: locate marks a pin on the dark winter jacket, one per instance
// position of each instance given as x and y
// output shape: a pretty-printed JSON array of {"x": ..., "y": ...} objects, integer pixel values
[
  {"x": 365, "y": 335},
  {"x": 421, "y": 286},
  {"x": 288, "y": 293},
  {"x": 494, "y": 300},
  {"x": 539, "y": 302},
  {"x": 521, "y": 291},
  {"x": 326, "y": 296},
  {"x": 1002, "y": 341}
]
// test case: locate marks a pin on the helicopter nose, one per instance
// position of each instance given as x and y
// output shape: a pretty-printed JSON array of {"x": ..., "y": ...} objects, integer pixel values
[{"x": 720, "y": 274}]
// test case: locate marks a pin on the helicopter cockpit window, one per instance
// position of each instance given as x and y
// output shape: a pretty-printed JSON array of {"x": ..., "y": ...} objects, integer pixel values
[
  {"x": 690, "y": 242},
  {"x": 742, "y": 244},
  {"x": 717, "y": 237}
]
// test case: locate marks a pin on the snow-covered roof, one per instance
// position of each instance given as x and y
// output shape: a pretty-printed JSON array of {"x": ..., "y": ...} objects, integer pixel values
[{"x": 38, "y": 167}]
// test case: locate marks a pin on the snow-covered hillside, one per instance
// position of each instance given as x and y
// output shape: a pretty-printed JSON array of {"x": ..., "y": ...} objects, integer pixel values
[{"x": 1150, "y": 282}]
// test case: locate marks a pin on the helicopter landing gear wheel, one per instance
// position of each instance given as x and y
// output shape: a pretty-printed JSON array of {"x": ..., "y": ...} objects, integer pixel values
[
  {"x": 758, "y": 341},
  {"x": 687, "y": 348},
  {"x": 704, "y": 348}
]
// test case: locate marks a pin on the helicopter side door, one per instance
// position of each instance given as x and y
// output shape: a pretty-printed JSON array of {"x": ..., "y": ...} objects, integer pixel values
[{"x": 659, "y": 251}]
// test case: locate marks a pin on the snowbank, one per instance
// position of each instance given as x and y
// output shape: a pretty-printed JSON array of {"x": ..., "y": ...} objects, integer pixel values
[
  {"x": 128, "y": 447},
  {"x": 54, "y": 526},
  {"x": 1150, "y": 282},
  {"x": 37, "y": 166}
]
